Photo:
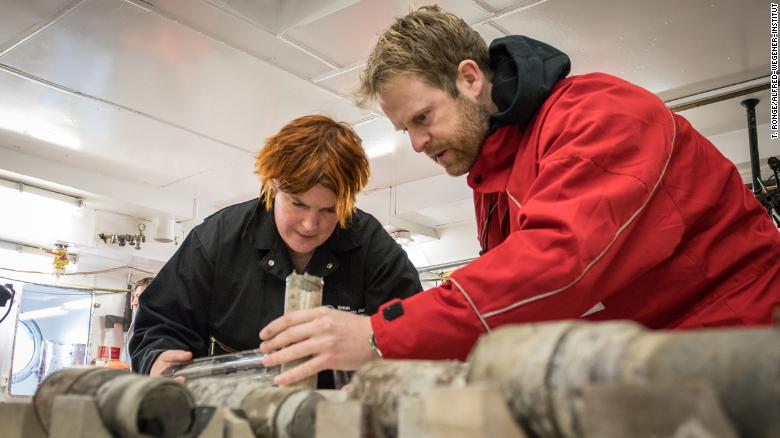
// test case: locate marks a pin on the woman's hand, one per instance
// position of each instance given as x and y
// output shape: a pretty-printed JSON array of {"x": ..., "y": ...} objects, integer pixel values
[{"x": 168, "y": 358}]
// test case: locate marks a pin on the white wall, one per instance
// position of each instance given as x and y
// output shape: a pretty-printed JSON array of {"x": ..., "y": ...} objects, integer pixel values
[
  {"x": 33, "y": 224},
  {"x": 109, "y": 302}
]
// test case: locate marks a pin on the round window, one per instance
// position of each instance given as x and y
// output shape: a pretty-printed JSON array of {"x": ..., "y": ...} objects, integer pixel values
[{"x": 27, "y": 350}]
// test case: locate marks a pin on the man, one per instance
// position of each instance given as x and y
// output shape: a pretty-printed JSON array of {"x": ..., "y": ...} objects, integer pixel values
[
  {"x": 593, "y": 201},
  {"x": 135, "y": 296},
  {"x": 140, "y": 287}
]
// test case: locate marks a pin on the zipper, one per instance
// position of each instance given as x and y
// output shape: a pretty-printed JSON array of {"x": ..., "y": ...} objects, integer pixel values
[{"x": 215, "y": 341}]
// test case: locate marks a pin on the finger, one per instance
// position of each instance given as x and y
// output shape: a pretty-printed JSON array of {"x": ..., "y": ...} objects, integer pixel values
[
  {"x": 302, "y": 371},
  {"x": 290, "y": 319},
  {"x": 168, "y": 358},
  {"x": 290, "y": 336},
  {"x": 175, "y": 356},
  {"x": 180, "y": 379},
  {"x": 295, "y": 351}
]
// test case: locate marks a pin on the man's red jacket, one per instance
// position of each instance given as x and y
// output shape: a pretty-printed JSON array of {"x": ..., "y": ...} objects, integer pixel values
[{"x": 607, "y": 206}]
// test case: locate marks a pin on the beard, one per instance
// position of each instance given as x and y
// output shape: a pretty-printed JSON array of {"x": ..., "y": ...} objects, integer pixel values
[{"x": 464, "y": 145}]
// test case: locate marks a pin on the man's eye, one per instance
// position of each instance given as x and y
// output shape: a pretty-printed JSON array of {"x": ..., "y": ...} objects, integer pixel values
[
  {"x": 298, "y": 204},
  {"x": 420, "y": 119}
]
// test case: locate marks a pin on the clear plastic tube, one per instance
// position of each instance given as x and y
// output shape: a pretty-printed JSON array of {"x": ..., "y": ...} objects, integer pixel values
[
  {"x": 249, "y": 363},
  {"x": 303, "y": 291}
]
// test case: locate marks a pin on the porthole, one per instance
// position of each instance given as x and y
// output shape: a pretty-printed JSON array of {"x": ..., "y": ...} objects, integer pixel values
[{"x": 27, "y": 350}]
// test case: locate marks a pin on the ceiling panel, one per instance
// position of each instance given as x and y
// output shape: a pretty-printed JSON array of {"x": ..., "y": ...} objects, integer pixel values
[
  {"x": 242, "y": 34},
  {"x": 393, "y": 161},
  {"x": 129, "y": 197},
  {"x": 344, "y": 39},
  {"x": 18, "y": 19},
  {"x": 222, "y": 186},
  {"x": 91, "y": 135},
  {"x": 144, "y": 61},
  {"x": 347, "y": 36},
  {"x": 277, "y": 16},
  {"x": 346, "y": 82},
  {"x": 433, "y": 191},
  {"x": 652, "y": 43},
  {"x": 489, "y": 32},
  {"x": 469, "y": 11},
  {"x": 435, "y": 201},
  {"x": 343, "y": 84},
  {"x": 443, "y": 214},
  {"x": 377, "y": 203},
  {"x": 379, "y": 138},
  {"x": 501, "y": 5}
]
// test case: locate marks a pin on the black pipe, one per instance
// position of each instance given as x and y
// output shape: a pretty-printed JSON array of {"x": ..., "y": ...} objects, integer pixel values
[{"x": 755, "y": 164}]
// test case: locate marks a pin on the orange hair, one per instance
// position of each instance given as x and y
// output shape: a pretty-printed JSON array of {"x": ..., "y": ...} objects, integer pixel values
[{"x": 313, "y": 150}]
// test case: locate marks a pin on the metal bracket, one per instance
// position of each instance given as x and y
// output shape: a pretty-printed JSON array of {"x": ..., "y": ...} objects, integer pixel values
[{"x": 115, "y": 319}]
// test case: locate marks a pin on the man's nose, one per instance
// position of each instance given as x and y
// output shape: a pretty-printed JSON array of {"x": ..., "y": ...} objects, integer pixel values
[{"x": 420, "y": 140}]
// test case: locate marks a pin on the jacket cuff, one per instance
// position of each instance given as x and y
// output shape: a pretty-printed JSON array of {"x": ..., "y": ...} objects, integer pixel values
[
  {"x": 385, "y": 334},
  {"x": 435, "y": 325},
  {"x": 147, "y": 361}
]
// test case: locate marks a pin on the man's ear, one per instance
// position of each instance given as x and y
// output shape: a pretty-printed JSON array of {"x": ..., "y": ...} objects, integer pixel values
[{"x": 470, "y": 80}]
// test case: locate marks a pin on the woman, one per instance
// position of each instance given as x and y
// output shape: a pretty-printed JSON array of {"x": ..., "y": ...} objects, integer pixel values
[{"x": 227, "y": 280}]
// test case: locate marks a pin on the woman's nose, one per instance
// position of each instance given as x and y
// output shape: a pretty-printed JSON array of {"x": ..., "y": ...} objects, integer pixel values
[{"x": 310, "y": 222}]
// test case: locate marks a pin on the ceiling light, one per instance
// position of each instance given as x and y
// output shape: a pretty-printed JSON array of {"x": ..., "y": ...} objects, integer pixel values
[
  {"x": 165, "y": 229},
  {"x": 39, "y": 126},
  {"x": 37, "y": 215},
  {"x": 376, "y": 149}
]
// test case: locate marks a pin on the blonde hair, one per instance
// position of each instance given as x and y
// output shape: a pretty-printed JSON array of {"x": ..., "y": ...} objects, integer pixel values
[
  {"x": 426, "y": 42},
  {"x": 313, "y": 150}
]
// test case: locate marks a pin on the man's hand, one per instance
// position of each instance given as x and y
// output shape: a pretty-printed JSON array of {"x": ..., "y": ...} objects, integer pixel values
[
  {"x": 336, "y": 340},
  {"x": 168, "y": 358}
]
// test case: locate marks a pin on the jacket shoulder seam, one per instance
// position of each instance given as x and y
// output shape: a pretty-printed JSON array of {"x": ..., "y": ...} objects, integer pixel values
[{"x": 600, "y": 166}]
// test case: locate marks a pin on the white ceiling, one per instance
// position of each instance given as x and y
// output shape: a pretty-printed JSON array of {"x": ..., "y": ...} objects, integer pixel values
[{"x": 143, "y": 106}]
